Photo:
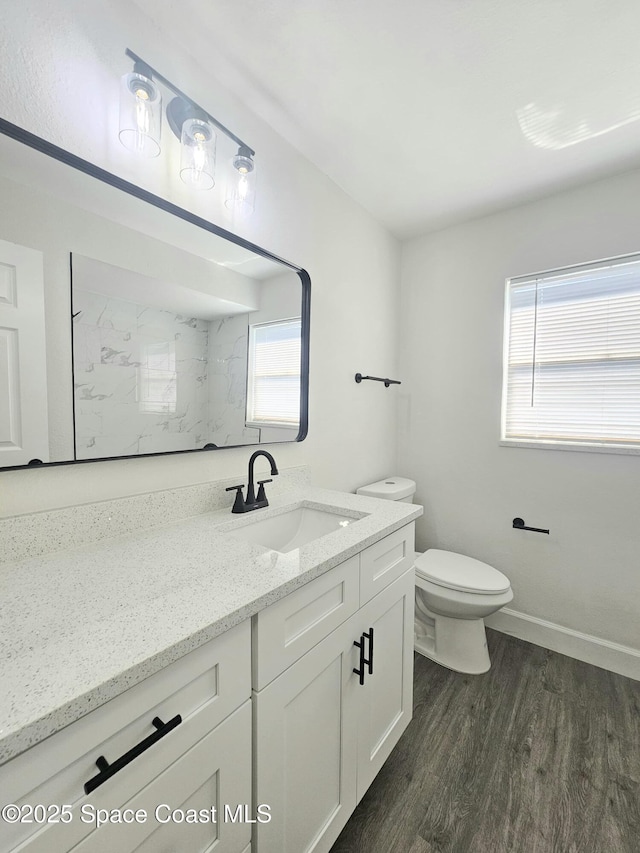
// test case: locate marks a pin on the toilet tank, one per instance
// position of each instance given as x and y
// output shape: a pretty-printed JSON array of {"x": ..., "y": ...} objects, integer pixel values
[{"x": 390, "y": 489}]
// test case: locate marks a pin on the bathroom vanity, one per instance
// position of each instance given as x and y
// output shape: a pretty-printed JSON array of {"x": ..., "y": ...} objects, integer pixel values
[{"x": 206, "y": 689}]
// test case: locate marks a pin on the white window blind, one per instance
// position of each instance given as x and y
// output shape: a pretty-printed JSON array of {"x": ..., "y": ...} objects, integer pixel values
[
  {"x": 158, "y": 378},
  {"x": 572, "y": 356},
  {"x": 273, "y": 385}
]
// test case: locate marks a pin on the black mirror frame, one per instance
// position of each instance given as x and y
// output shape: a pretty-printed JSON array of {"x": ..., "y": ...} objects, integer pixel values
[{"x": 51, "y": 150}]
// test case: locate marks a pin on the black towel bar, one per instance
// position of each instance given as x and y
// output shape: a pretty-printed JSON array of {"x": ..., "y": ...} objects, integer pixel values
[{"x": 387, "y": 382}]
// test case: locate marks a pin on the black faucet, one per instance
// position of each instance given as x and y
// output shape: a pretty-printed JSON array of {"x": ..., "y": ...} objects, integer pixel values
[{"x": 253, "y": 502}]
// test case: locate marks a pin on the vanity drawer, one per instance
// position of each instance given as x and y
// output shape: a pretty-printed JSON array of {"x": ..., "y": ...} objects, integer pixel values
[
  {"x": 382, "y": 563},
  {"x": 215, "y": 772},
  {"x": 286, "y": 630},
  {"x": 203, "y": 687}
]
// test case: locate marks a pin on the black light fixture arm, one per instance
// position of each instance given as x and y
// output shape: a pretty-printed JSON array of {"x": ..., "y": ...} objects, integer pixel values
[{"x": 142, "y": 67}]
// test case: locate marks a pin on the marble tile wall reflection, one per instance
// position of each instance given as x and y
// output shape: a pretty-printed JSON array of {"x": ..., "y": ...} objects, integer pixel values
[
  {"x": 141, "y": 378},
  {"x": 228, "y": 382}
]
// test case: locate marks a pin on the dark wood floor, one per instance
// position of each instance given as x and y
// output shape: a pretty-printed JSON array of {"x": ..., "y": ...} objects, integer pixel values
[{"x": 540, "y": 755}]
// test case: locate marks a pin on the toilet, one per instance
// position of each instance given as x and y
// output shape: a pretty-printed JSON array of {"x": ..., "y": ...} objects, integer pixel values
[{"x": 454, "y": 594}]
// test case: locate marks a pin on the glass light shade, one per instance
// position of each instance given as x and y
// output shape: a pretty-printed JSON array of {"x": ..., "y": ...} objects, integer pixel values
[
  {"x": 140, "y": 115},
  {"x": 241, "y": 195},
  {"x": 198, "y": 154}
]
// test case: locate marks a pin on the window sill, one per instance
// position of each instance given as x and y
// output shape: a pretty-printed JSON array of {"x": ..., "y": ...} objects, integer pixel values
[
  {"x": 270, "y": 425},
  {"x": 621, "y": 449}
]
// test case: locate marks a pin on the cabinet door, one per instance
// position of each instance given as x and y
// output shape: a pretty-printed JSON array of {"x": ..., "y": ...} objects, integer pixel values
[
  {"x": 385, "y": 698},
  {"x": 305, "y": 731},
  {"x": 214, "y": 773}
]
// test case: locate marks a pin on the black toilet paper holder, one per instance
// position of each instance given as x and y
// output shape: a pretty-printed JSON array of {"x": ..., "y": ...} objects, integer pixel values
[{"x": 519, "y": 524}]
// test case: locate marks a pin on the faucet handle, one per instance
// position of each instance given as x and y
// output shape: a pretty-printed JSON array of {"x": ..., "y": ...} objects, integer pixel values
[
  {"x": 261, "y": 492},
  {"x": 238, "y": 504}
]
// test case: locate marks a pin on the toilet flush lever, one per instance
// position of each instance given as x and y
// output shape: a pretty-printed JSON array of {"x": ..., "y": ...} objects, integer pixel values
[{"x": 519, "y": 524}]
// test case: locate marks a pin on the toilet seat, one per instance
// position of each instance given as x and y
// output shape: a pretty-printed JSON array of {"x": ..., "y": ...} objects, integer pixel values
[{"x": 455, "y": 571}]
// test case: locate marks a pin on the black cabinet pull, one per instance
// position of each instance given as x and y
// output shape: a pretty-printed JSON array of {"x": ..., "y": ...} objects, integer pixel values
[
  {"x": 369, "y": 660},
  {"x": 108, "y": 770},
  {"x": 360, "y": 672}
]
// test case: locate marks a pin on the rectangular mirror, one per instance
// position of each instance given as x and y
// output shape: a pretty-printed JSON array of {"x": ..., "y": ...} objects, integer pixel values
[{"x": 129, "y": 326}]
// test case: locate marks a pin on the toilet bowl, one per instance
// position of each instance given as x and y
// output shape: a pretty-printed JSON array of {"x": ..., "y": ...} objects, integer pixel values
[{"x": 454, "y": 594}]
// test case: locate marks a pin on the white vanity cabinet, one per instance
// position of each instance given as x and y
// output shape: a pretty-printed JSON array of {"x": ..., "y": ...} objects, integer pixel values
[
  {"x": 321, "y": 730},
  {"x": 202, "y": 702},
  {"x": 289, "y": 715}
]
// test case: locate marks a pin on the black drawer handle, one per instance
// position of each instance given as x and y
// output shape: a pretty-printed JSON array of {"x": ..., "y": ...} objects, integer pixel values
[
  {"x": 360, "y": 672},
  {"x": 369, "y": 661},
  {"x": 108, "y": 770}
]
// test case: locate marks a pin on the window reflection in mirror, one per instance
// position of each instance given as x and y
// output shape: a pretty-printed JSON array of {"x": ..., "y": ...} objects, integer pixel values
[{"x": 273, "y": 373}]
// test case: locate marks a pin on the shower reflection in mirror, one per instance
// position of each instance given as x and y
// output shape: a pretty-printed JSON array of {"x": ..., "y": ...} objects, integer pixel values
[{"x": 160, "y": 367}]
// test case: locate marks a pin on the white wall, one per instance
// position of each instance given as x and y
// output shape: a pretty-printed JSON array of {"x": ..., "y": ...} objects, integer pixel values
[
  {"x": 61, "y": 64},
  {"x": 586, "y": 574}
]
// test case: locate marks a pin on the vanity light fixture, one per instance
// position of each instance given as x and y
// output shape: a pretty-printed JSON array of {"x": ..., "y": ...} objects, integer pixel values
[{"x": 140, "y": 124}]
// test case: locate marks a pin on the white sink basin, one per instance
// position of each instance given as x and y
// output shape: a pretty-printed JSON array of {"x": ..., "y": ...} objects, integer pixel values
[{"x": 293, "y": 529}]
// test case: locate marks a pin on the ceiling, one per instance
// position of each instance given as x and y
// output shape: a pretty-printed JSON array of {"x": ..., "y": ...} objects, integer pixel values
[
  {"x": 116, "y": 282},
  {"x": 429, "y": 112}
]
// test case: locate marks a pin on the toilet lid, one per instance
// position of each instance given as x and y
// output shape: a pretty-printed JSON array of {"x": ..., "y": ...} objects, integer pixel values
[{"x": 456, "y": 571}]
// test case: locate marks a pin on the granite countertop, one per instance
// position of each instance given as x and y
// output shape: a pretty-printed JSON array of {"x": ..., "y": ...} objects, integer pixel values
[{"x": 78, "y": 627}]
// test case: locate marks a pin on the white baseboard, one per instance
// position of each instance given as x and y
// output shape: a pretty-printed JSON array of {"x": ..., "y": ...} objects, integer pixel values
[{"x": 621, "y": 659}]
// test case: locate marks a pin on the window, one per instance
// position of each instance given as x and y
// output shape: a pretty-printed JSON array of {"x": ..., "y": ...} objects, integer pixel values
[
  {"x": 158, "y": 379},
  {"x": 273, "y": 384},
  {"x": 572, "y": 357}
]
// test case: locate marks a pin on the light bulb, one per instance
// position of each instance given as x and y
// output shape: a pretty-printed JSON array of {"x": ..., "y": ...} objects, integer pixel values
[
  {"x": 198, "y": 154},
  {"x": 242, "y": 191},
  {"x": 140, "y": 115}
]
